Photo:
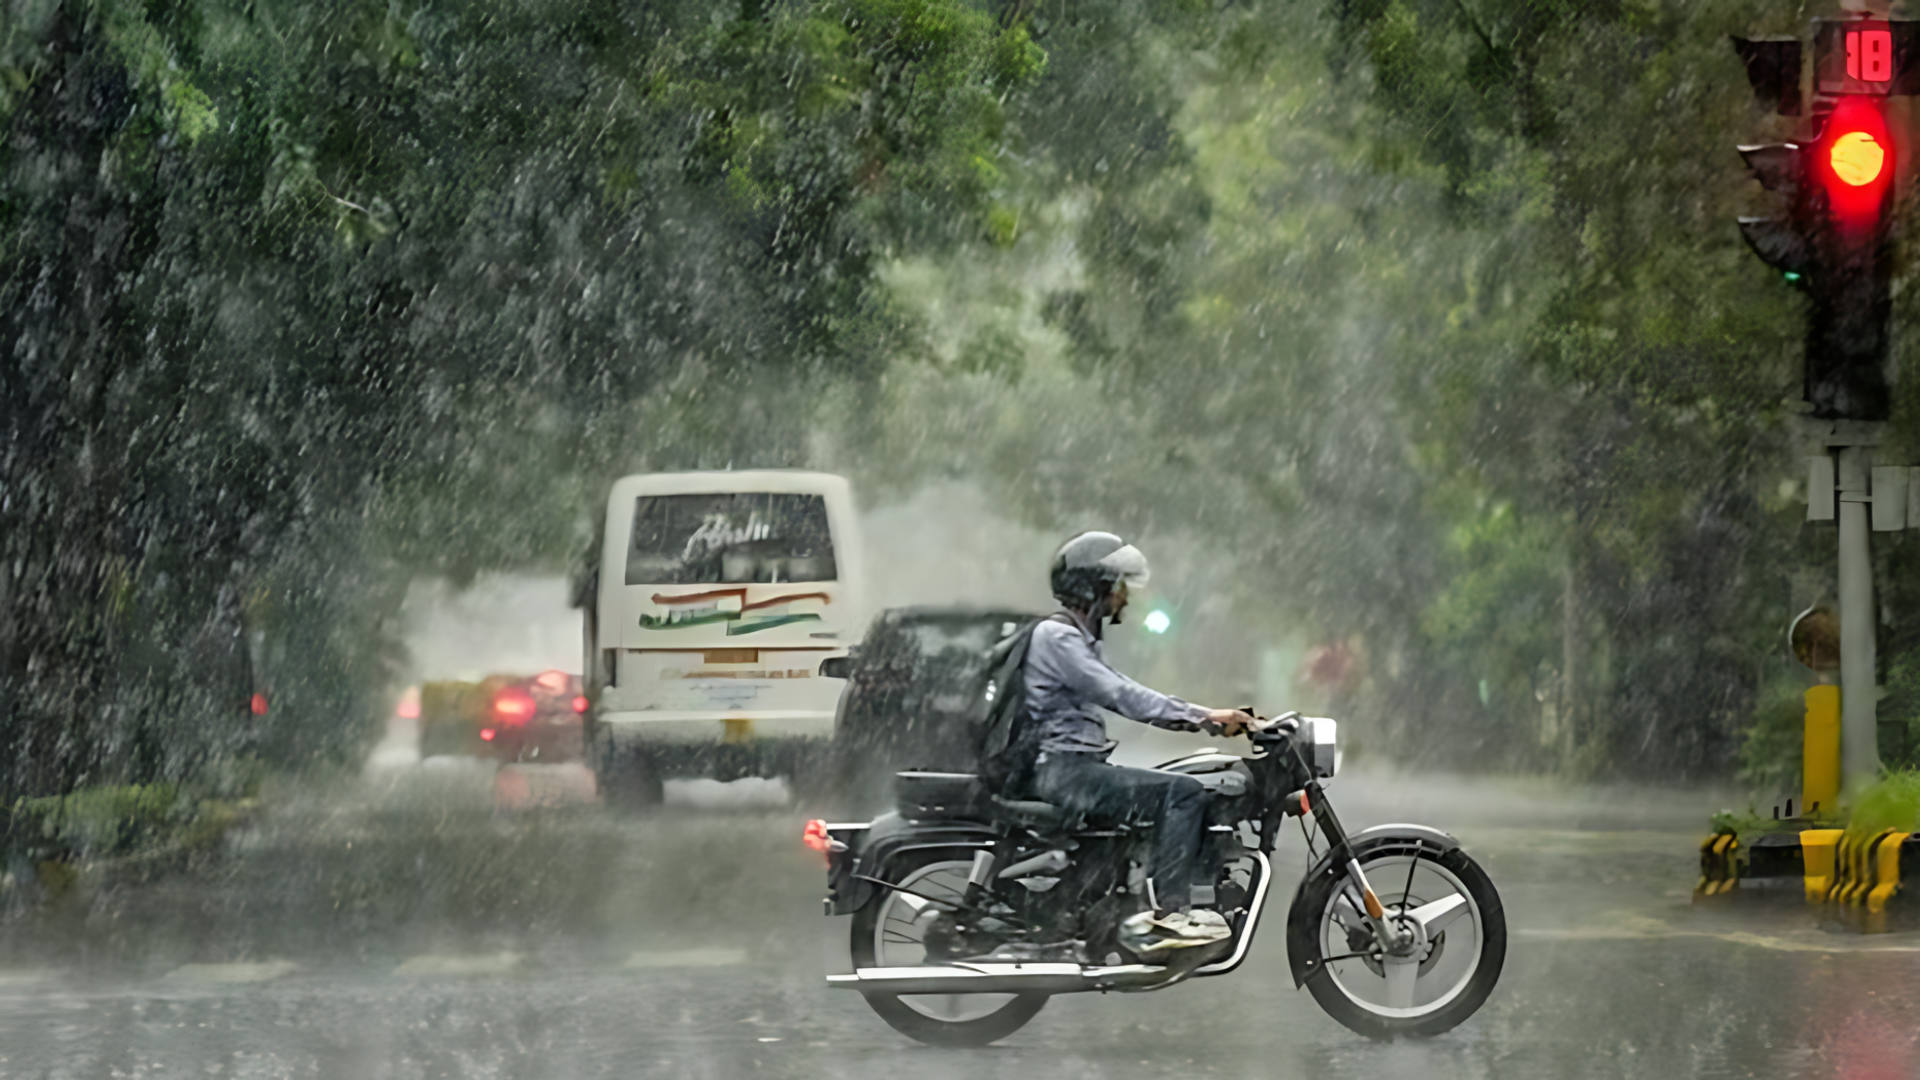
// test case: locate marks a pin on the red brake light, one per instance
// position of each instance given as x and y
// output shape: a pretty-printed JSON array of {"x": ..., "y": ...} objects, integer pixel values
[
  {"x": 513, "y": 705},
  {"x": 486, "y": 734},
  {"x": 580, "y": 704},
  {"x": 258, "y": 704}
]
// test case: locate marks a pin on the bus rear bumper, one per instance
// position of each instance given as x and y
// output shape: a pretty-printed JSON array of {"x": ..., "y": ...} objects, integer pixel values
[
  {"x": 701, "y": 745},
  {"x": 697, "y": 728}
]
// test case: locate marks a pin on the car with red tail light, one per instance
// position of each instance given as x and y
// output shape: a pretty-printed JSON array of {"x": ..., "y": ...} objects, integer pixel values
[{"x": 509, "y": 718}]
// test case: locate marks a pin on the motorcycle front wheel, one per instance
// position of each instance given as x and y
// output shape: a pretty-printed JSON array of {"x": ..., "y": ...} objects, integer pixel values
[
  {"x": 889, "y": 932},
  {"x": 1444, "y": 981}
]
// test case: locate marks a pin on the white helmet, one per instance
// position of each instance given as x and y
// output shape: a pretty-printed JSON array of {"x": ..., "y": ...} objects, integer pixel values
[{"x": 1087, "y": 567}]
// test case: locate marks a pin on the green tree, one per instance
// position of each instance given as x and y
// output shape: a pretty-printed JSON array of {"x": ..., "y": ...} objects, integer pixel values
[{"x": 307, "y": 297}]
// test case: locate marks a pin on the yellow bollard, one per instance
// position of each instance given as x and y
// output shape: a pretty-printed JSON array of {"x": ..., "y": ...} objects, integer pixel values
[
  {"x": 1820, "y": 752},
  {"x": 1816, "y": 848}
]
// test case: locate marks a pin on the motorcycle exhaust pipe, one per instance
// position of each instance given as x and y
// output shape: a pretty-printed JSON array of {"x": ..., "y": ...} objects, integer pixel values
[{"x": 998, "y": 979}]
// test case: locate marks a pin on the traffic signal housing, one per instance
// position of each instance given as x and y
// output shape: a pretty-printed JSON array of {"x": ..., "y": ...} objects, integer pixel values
[{"x": 1828, "y": 230}]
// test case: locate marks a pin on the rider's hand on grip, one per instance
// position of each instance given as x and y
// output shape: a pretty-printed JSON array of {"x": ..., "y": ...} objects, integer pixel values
[{"x": 1229, "y": 722}]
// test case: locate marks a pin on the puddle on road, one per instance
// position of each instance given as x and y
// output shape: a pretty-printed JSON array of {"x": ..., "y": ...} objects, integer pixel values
[
  {"x": 687, "y": 958},
  {"x": 1630, "y": 925},
  {"x": 432, "y": 966},
  {"x": 225, "y": 974}
]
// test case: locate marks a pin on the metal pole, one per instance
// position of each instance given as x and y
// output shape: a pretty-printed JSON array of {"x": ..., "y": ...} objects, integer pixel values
[{"x": 1859, "y": 737}]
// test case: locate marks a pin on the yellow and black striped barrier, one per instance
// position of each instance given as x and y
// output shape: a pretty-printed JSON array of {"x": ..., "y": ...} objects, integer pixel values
[
  {"x": 1719, "y": 865},
  {"x": 1860, "y": 878}
]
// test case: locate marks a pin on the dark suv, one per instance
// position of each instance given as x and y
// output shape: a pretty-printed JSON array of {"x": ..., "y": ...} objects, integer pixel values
[{"x": 910, "y": 685}]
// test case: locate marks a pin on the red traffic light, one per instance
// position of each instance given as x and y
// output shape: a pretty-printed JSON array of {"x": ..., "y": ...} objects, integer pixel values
[{"x": 1854, "y": 162}]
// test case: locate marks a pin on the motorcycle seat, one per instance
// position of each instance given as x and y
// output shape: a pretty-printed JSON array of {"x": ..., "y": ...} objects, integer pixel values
[{"x": 1031, "y": 813}]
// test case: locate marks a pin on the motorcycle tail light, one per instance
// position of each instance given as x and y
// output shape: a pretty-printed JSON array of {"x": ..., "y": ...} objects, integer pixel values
[{"x": 816, "y": 836}]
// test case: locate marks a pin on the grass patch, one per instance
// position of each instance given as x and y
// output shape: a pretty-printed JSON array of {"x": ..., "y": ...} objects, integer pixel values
[
  {"x": 95, "y": 821},
  {"x": 1893, "y": 803},
  {"x": 126, "y": 819}
]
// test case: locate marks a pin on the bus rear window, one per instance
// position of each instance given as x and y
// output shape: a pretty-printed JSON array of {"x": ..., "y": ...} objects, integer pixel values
[{"x": 735, "y": 538}]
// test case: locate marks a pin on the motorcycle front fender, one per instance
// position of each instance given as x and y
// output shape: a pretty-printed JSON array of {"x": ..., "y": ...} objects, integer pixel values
[
  {"x": 887, "y": 837},
  {"x": 1302, "y": 924}
]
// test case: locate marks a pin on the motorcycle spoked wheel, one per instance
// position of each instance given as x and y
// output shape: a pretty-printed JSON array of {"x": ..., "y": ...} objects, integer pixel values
[
  {"x": 888, "y": 932},
  {"x": 1456, "y": 970}
]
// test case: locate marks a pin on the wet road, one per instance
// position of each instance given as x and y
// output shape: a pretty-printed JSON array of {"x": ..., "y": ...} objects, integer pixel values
[{"x": 407, "y": 932}]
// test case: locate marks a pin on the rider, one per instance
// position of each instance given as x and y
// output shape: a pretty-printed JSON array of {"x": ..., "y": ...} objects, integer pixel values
[{"x": 1068, "y": 682}]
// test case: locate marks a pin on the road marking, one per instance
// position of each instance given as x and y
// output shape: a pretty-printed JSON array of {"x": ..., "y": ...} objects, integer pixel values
[
  {"x": 435, "y": 966},
  {"x": 683, "y": 958},
  {"x": 230, "y": 973},
  {"x": 24, "y": 978}
]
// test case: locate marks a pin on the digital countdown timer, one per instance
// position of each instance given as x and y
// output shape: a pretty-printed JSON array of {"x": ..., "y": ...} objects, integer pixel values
[
  {"x": 1870, "y": 55},
  {"x": 1867, "y": 56}
]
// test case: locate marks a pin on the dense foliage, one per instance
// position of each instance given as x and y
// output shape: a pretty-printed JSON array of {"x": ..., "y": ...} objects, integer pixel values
[
  {"x": 300, "y": 298},
  {"x": 1427, "y": 320}
]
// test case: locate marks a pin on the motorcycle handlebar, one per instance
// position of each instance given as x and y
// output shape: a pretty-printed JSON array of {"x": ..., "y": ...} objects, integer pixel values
[{"x": 1275, "y": 731}]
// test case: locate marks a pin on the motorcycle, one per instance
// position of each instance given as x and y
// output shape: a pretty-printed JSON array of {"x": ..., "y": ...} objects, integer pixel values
[{"x": 971, "y": 910}]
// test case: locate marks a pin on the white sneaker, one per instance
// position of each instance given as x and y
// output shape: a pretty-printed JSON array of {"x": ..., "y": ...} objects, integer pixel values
[
  {"x": 1142, "y": 933},
  {"x": 1208, "y": 917}
]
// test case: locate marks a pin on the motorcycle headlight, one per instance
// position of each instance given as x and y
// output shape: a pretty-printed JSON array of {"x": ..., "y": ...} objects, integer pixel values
[{"x": 1321, "y": 737}]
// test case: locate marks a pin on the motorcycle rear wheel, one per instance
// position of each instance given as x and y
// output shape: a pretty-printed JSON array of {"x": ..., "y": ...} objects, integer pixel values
[
  {"x": 886, "y": 934},
  {"x": 1458, "y": 969}
]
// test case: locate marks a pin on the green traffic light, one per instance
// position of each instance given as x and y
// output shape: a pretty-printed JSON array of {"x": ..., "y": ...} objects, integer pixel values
[{"x": 1791, "y": 277}]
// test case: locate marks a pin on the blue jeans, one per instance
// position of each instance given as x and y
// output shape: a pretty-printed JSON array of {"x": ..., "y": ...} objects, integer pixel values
[{"x": 1108, "y": 795}]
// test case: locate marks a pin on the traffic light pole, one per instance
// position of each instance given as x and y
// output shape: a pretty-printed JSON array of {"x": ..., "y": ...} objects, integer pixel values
[{"x": 1859, "y": 730}]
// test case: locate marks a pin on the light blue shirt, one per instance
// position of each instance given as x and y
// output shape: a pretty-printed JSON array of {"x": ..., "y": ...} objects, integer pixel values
[{"x": 1069, "y": 681}]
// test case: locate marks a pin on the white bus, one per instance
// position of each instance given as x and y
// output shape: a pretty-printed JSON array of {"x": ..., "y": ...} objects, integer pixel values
[{"x": 719, "y": 596}]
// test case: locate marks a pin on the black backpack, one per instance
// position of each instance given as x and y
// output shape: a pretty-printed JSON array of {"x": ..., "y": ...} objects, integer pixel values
[{"x": 1008, "y": 743}]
